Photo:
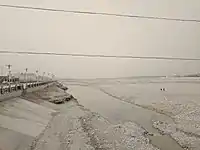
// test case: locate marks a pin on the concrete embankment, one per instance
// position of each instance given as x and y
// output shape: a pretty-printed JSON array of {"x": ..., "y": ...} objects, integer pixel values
[{"x": 22, "y": 120}]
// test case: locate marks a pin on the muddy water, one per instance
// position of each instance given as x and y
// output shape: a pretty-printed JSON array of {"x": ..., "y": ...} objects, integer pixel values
[{"x": 117, "y": 111}]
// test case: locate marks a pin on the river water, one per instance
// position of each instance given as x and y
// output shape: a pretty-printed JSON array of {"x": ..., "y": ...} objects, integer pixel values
[{"x": 117, "y": 111}]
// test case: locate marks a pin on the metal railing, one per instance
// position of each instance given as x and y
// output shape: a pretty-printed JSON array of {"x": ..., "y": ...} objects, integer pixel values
[{"x": 14, "y": 87}]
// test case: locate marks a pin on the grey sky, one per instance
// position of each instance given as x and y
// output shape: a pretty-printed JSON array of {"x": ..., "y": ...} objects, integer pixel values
[{"x": 64, "y": 32}]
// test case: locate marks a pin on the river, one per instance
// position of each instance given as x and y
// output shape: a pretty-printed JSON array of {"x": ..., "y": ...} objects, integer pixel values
[{"x": 117, "y": 111}]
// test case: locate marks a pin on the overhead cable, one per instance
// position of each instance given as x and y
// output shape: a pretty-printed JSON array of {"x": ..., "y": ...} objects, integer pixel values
[
  {"x": 99, "y": 55},
  {"x": 99, "y": 13}
]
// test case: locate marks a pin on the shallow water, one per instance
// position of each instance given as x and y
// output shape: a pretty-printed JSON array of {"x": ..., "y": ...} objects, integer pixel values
[{"x": 117, "y": 111}]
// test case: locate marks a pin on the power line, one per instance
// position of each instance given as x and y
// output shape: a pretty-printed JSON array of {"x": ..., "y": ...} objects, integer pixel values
[
  {"x": 99, "y": 55},
  {"x": 99, "y": 13}
]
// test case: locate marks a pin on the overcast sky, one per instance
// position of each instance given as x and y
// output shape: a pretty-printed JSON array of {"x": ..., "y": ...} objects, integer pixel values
[{"x": 28, "y": 30}]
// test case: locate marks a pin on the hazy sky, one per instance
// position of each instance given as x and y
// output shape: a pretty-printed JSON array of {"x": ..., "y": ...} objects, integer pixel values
[{"x": 28, "y": 30}]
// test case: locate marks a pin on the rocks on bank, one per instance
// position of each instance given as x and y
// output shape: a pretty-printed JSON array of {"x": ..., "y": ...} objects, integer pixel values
[
  {"x": 55, "y": 93},
  {"x": 61, "y": 86}
]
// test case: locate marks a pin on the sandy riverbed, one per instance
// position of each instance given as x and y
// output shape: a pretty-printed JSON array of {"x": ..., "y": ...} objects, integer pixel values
[
  {"x": 76, "y": 127},
  {"x": 47, "y": 126},
  {"x": 98, "y": 120},
  {"x": 180, "y": 102}
]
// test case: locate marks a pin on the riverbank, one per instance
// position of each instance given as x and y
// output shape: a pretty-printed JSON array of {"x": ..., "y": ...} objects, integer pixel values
[
  {"x": 32, "y": 122},
  {"x": 76, "y": 127}
]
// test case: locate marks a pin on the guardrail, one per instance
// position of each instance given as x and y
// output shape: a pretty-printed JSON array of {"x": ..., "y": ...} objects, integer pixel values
[{"x": 15, "y": 87}]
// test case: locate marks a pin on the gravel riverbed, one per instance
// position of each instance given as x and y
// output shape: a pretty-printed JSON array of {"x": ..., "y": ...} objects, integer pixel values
[
  {"x": 180, "y": 102},
  {"x": 76, "y": 127}
]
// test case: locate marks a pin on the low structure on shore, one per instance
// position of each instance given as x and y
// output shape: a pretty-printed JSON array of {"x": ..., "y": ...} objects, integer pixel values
[{"x": 58, "y": 95}]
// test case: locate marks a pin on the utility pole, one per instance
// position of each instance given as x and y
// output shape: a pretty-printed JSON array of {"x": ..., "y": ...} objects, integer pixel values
[
  {"x": 26, "y": 80},
  {"x": 9, "y": 76},
  {"x": 49, "y": 75},
  {"x": 37, "y": 76},
  {"x": 9, "y": 72},
  {"x": 43, "y": 76}
]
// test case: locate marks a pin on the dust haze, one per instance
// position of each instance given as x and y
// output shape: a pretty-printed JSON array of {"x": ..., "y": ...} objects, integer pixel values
[{"x": 28, "y": 30}]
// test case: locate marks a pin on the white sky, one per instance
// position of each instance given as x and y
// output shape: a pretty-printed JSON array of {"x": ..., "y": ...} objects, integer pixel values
[{"x": 27, "y": 30}]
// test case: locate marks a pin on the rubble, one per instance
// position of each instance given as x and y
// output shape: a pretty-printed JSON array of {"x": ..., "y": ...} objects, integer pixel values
[
  {"x": 180, "y": 102},
  {"x": 61, "y": 86},
  {"x": 57, "y": 100},
  {"x": 61, "y": 99},
  {"x": 187, "y": 140},
  {"x": 131, "y": 136},
  {"x": 53, "y": 94}
]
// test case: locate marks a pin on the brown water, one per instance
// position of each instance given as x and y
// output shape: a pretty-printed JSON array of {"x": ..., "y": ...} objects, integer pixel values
[{"x": 117, "y": 111}]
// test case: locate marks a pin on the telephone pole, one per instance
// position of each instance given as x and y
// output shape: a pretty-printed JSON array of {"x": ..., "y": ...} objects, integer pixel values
[
  {"x": 43, "y": 76},
  {"x": 9, "y": 71},
  {"x": 26, "y": 78},
  {"x": 37, "y": 76},
  {"x": 49, "y": 78}
]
